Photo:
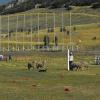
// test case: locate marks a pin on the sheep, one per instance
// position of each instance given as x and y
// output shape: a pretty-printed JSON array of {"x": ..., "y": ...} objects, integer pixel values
[
  {"x": 79, "y": 65},
  {"x": 29, "y": 65},
  {"x": 41, "y": 66}
]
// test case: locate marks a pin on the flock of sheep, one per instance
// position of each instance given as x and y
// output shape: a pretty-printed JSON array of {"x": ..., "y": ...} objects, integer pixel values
[{"x": 41, "y": 66}]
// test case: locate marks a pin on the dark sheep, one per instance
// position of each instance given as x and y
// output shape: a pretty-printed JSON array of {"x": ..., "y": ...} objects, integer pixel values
[{"x": 29, "y": 66}]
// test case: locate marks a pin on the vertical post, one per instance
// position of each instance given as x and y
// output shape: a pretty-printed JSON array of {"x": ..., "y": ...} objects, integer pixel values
[
  {"x": 54, "y": 29},
  {"x": 38, "y": 29},
  {"x": 68, "y": 67},
  {"x": 70, "y": 30},
  {"x": 31, "y": 30},
  {"x": 47, "y": 28},
  {"x": 23, "y": 32},
  {"x": 0, "y": 34},
  {"x": 8, "y": 33},
  {"x": 46, "y": 22},
  {"x": 62, "y": 31},
  {"x": 16, "y": 32}
]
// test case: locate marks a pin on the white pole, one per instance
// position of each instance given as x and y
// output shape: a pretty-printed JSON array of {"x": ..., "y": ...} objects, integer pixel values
[
  {"x": 46, "y": 22},
  {"x": 8, "y": 34},
  {"x": 16, "y": 32},
  {"x": 62, "y": 31},
  {"x": 54, "y": 29},
  {"x": 31, "y": 31},
  {"x": 23, "y": 32},
  {"x": 47, "y": 27},
  {"x": 38, "y": 29},
  {"x": 68, "y": 67},
  {"x": 70, "y": 30},
  {"x": 0, "y": 34}
]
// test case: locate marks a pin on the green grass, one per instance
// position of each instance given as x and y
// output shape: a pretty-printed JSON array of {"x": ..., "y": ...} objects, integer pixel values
[
  {"x": 85, "y": 33},
  {"x": 17, "y": 83}
]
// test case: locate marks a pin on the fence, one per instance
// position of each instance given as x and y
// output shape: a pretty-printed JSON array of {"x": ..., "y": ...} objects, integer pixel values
[{"x": 30, "y": 31}]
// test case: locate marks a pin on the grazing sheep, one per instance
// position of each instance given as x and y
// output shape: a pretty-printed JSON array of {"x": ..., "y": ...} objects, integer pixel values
[
  {"x": 29, "y": 66},
  {"x": 41, "y": 66},
  {"x": 79, "y": 65}
]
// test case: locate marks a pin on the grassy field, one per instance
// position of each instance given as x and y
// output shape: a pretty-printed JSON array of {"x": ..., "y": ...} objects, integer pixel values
[
  {"x": 84, "y": 33},
  {"x": 17, "y": 83}
]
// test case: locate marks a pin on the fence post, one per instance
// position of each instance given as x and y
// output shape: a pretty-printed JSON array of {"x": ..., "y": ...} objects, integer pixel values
[{"x": 68, "y": 60}]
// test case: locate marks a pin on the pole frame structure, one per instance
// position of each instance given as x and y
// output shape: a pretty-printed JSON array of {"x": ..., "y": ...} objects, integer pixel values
[
  {"x": 8, "y": 34},
  {"x": 16, "y": 33},
  {"x": 68, "y": 67},
  {"x": 54, "y": 29},
  {"x": 62, "y": 31},
  {"x": 47, "y": 29},
  {"x": 24, "y": 31},
  {"x": 70, "y": 48},
  {"x": 46, "y": 23},
  {"x": 38, "y": 30},
  {"x": 70, "y": 31},
  {"x": 31, "y": 31}
]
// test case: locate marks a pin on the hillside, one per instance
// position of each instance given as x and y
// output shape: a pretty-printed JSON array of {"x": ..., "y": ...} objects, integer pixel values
[{"x": 20, "y": 6}]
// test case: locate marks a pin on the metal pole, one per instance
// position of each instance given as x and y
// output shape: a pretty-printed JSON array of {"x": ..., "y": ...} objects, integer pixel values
[
  {"x": 70, "y": 30},
  {"x": 62, "y": 31},
  {"x": 0, "y": 34},
  {"x": 8, "y": 34},
  {"x": 23, "y": 32},
  {"x": 54, "y": 30},
  {"x": 16, "y": 32},
  {"x": 47, "y": 28},
  {"x": 46, "y": 22},
  {"x": 31, "y": 31},
  {"x": 38, "y": 29},
  {"x": 68, "y": 67}
]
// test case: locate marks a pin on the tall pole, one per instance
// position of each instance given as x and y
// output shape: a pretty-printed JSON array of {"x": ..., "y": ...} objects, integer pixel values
[
  {"x": 62, "y": 30},
  {"x": 16, "y": 33},
  {"x": 0, "y": 34},
  {"x": 23, "y": 32},
  {"x": 70, "y": 31},
  {"x": 54, "y": 29},
  {"x": 8, "y": 33},
  {"x": 68, "y": 67},
  {"x": 46, "y": 22},
  {"x": 70, "y": 40},
  {"x": 47, "y": 27},
  {"x": 38, "y": 29},
  {"x": 31, "y": 30}
]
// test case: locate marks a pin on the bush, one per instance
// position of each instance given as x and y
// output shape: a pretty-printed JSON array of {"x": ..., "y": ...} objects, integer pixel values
[{"x": 96, "y": 5}]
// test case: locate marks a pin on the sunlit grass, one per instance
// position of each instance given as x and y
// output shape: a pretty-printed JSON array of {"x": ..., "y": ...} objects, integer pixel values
[{"x": 17, "y": 83}]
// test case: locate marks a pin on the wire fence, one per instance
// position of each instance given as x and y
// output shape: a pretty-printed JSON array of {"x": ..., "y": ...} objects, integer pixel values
[{"x": 22, "y": 32}]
